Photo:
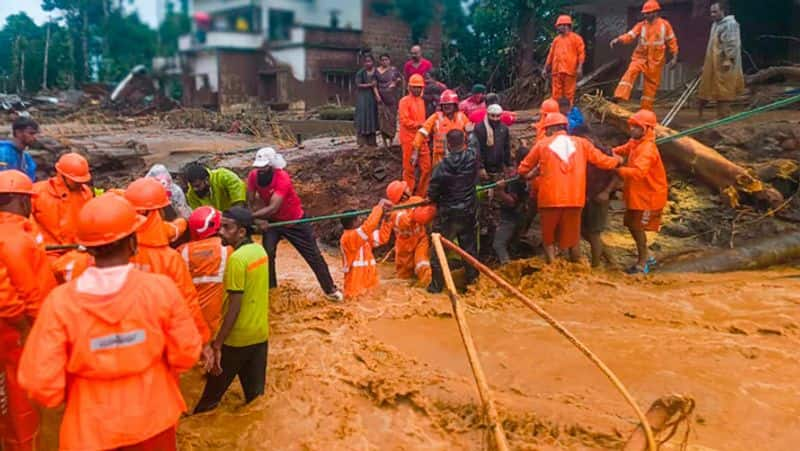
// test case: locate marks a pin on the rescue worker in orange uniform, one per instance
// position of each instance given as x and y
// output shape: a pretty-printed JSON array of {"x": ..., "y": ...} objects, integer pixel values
[
  {"x": 645, "y": 185},
  {"x": 565, "y": 60},
  {"x": 548, "y": 106},
  {"x": 437, "y": 126},
  {"x": 154, "y": 255},
  {"x": 60, "y": 198},
  {"x": 411, "y": 117},
  {"x": 356, "y": 243},
  {"x": 110, "y": 343},
  {"x": 654, "y": 36},
  {"x": 25, "y": 280},
  {"x": 562, "y": 189},
  {"x": 411, "y": 246},
  {"x": 206, "y": 257}
]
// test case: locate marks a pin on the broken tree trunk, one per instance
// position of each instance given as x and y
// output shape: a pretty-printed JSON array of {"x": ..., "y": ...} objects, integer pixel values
[
  {"x": 761, "y": 254},
  {"x": 695, "y": 157},
  {"x": 763, "y": 76}
]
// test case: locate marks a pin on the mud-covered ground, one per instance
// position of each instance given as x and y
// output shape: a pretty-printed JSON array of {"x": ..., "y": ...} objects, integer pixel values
[{"x": 389, "y": 371}]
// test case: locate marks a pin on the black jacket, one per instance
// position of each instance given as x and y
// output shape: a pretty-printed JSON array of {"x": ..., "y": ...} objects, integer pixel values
[
  {"x": 452, "y": 186},
  {"x": 497, "y": 157}
]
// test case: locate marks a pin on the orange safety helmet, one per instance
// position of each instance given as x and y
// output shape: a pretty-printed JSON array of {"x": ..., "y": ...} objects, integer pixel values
[
  {"x": 651, "y": 6},
  {"x": 424, "y": 214},
  {"x": 417, "y": 81},
  {"x": 550, "y": 106},
  {"x": 448, "y": 96},
  {"x": 644, "y": 119},
  {"x": 15, "y": 182},
  {"x": 395, "y": 191},
  {"x": 106, "y": 219},
  {"x": 564, "y": 20},
  {"x": 147, "y": 193},
  {"x": 74, "y": 167},
  {"x": 554, "y": 119},
  {"x": 204, "y": 222}
]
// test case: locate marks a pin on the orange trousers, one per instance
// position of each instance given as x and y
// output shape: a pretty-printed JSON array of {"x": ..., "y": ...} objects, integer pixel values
[
  {"x": 420, "y": 187},
  {"x": 652, "y": 79},
  {"x": 19, "y": 419},
  {"x": 412, "y": 257},
  {"x": 564, "y": 86}
]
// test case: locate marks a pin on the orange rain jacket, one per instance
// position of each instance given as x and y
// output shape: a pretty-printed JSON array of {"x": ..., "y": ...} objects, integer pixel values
[
  {"x": 157, "y": 257},
  {"x": 645, "y": 178},
  {"x": 25, "y": 281},
  {"x": 438, "y": 125},
  {"x": 566, "y": 53},
  {"x": 411, "y": 245},
  {"x": 562, "y": 163},
  {"x": 56, "y": 208},
  {"x": 113, "y": 359},
  {"x": 206, "y": 260},
  {"x": 654, "y": 39},
  {"x": 411, "y": 118},
  {"x": 648, "y": 59},
  {"x": 360, "y": 268},
  {"x": 25, "y": 276}
]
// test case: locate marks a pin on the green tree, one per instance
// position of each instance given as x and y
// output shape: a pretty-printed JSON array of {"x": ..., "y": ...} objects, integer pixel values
[{"x": 175, "y": 25}]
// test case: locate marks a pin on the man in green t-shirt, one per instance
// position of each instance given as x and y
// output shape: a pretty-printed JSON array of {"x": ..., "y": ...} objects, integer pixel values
[
  {"x": 219, "y": 188},
  {"x": 241, "y": 344}
]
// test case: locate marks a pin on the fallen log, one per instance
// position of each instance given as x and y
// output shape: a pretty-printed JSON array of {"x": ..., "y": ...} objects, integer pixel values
[
  {"x": 770, "y": 73},
  {"x": 760, "y": 254},
  {"x": 694, "y": 157}
]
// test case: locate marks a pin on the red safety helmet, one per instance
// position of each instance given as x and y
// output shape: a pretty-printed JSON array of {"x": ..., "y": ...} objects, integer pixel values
[
  {"x": 416, "y": 80},
  {"x": 204, "y": 222},
  {"x": 448, "y": 96},
  {"x": 644, "y": 119},
  {"x": 106, "y": 219},
  {"x": 554, "y": 119},
  {"x": 564, "y": 20},
  {"x": 395, "y": 191},
  {"x": 651, "y": 6},
  {"x": 74, "y": 167},
  {"x": 147, "y": 193},
  {"x": 15, "y": 182},
  {"x": 424, "y": 214}
]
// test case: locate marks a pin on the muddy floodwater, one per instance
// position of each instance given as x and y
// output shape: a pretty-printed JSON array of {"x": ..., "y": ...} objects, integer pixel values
[{"x": 390, "y": 372}]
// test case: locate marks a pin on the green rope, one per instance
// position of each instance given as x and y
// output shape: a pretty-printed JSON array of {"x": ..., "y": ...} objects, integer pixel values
[{"x": 730, "y": 119}]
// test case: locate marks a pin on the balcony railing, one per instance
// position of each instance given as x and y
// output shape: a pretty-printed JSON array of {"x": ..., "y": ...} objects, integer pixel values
[{"x": 221, "y": 39}]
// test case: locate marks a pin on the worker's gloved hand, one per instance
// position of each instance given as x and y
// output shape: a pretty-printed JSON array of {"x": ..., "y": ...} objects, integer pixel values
[
  {"x": 414, "y": 157},
  {"x": 613, "y": 42},
  {"x": 620, "y": 159},
  {"x": 386, "y": 204},
  {"x": 262, "y": 224},
  {"x": 544, "y": 72},
  {"x": 579, "y": 74}
]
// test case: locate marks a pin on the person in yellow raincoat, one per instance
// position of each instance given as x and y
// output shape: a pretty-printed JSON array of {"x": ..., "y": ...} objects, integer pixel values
[{"x": 722, "y": 80}]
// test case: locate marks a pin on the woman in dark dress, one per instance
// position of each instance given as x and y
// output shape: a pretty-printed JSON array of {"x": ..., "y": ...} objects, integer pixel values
[
  {"x": 366, "y": 117},
  {"x": 390, "y": 82}
]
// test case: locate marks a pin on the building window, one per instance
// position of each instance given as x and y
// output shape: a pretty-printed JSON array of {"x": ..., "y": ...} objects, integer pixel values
[
  {"x": 341, "y": 79},
  {"x": 280, "y": 24}
]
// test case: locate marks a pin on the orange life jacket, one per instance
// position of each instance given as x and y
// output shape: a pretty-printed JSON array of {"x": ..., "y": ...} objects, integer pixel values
[
  {"x": 206, "y": 260},
  {"x": 113, "y": 359},
  {"x": 359, "y": 266}
]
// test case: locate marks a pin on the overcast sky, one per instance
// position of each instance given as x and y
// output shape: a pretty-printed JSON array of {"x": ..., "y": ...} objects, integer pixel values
[{"x": 146, "y": 8}]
